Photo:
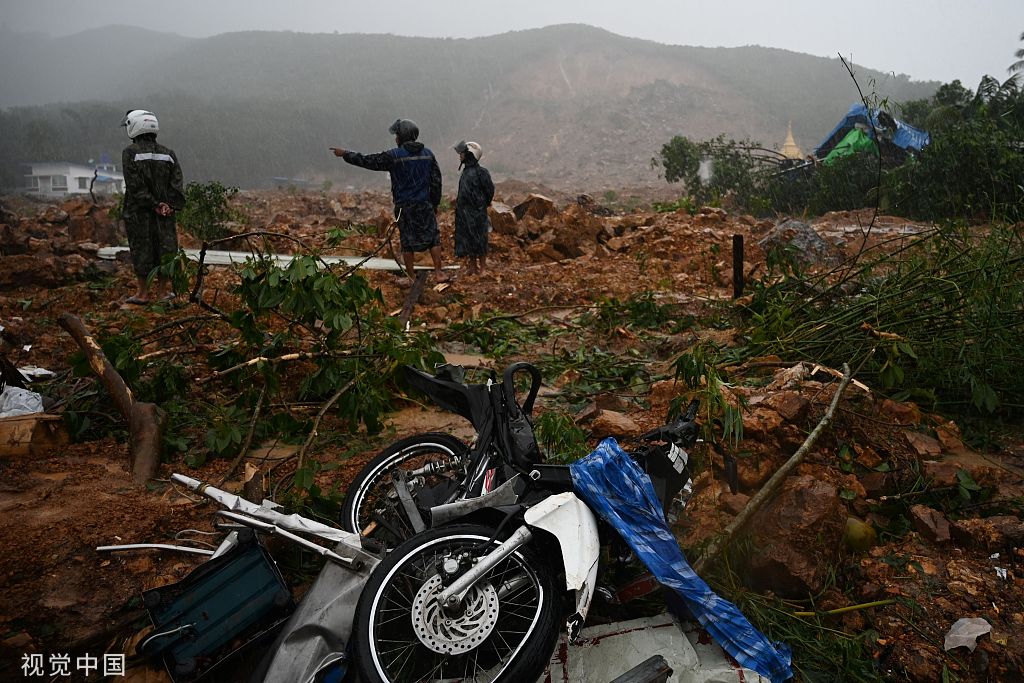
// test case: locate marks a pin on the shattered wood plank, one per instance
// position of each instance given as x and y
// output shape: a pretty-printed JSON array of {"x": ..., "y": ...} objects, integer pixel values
[
  {"x": 412, "y": 297},
  {"x": 31, "y": 434}
]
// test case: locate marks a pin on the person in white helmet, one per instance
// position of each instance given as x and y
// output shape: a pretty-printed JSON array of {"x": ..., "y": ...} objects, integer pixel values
[
  {"x": 153, "y": 193},
  {"x": 476, "y": 190}
]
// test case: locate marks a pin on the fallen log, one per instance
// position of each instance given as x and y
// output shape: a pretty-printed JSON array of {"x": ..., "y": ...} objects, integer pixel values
[{"x": 146, "y": 421}]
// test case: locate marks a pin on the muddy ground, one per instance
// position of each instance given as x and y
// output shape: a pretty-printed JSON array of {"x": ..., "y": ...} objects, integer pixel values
[{"x": 61, "y": 595}]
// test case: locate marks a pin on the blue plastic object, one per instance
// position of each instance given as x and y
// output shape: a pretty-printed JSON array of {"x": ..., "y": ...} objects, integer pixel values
[{"x": 615, "y": 487}]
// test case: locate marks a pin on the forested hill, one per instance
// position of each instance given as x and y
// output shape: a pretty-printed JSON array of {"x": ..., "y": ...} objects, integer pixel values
[{"x": 571, "y": 105}]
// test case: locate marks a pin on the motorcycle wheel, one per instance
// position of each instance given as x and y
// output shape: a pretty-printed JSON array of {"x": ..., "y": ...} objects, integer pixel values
[
  {"x": 506, "y": 633},
  {"x": 371, "y": 507}
]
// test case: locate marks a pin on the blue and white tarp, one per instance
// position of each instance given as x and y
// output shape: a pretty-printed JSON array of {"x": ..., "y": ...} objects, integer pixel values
[
  {"x": 615, "y": 487},
  {"x": 905, "y": 136}
]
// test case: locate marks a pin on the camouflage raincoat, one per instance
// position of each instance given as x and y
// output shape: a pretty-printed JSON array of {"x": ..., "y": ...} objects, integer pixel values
[{"x": 151, "y": 175}]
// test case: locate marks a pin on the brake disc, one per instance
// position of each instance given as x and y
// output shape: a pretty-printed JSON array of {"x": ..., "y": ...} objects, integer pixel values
[{"x": 454, "y": 635}]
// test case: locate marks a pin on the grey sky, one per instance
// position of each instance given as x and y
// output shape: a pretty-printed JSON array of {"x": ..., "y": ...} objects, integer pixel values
[{"x": 925, "y": 39}]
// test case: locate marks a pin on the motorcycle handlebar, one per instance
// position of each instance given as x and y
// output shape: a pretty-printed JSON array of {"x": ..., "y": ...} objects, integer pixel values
[
  {"x": 683, "y": 431},
  {"x": 510, "y": 391}
]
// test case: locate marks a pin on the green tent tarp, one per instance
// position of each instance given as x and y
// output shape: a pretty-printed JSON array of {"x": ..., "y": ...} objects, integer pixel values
[{"x": 854, "y": 141}]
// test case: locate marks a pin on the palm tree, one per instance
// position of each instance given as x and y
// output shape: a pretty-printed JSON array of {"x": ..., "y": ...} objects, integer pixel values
[{"x": 1018, "y": 66}]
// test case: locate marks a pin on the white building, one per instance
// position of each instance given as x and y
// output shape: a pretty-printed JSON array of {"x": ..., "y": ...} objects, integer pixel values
[{"x": 61, "y": 178}]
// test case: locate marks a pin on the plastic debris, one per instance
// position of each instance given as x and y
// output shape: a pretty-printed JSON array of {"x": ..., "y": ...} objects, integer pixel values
[
  {"x": 615, "y": 487},
  {"x": 965, "y": 633},
  {"x": 35, "y": 373},
  {"x": 17, "y": 401},
  {"x": 1002, "y": 573}
]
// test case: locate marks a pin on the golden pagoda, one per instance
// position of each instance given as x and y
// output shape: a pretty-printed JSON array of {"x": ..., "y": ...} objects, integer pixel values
[{"x": 790, "y": 150}]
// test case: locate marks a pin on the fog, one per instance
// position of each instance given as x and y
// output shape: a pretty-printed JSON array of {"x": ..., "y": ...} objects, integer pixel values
[{"x": 926, "y": 39}]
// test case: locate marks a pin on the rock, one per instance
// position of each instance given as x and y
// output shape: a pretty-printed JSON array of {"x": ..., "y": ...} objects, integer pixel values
[
  {"x": 867, "y": 457},
  {"x": 800, "y": 534},
  {"x": 612, "y": 423},
  {"x": 77, "y": 206},
  {"x": 589, "y": 412},
  {"x": 580, "y": 223},
  {"x": 752, "y": 472},
  {"x": 616, "y": 244},
  {"x": 761, "y": 424},
  {"x": 20, "y": 642},
  {"x": 924, "y": 445},
  {"x": 733, "y": 503},
  {"x": 806, "y": 244},
  {"x": 503, "y": 218},
  {"x": 54, "y": 214},
  {"x": 903, "y": 413},
  {"x": 878, "y": 484},
  {"x": 789, "y": 404},
  {"x": 280, "y": 219},
  {"x": 664, "y": 391},
  {"x": 992, "y": 534},
  {"x": 930, "y": 523},
  {"x": 787, "y": 378},
  {"x": 543, "y": 253},
  {"x": 940, "y": 472},
  {"x": 536, "y": 206},
  {"x": 44, "y": 270}
]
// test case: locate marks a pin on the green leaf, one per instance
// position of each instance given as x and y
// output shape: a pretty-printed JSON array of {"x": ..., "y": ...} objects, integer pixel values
[{"x": 304, "y": 478}]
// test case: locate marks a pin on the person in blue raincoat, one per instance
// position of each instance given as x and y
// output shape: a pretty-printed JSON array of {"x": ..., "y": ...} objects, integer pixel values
[{"x": 415, "y": 191}]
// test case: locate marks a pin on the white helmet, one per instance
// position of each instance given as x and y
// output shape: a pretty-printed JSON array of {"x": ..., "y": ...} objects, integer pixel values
[
  {"x": 473, "y": 148},
  {"x": 139, "y": 121}
]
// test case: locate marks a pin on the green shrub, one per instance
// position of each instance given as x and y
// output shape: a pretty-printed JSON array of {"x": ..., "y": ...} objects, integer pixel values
[{"x": 208, "y": 210}]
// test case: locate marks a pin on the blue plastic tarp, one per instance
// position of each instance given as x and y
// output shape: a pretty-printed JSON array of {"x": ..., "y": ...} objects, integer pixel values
[
  {"x": 621, "y": 493},
  {"x": 905, "y": 136}
]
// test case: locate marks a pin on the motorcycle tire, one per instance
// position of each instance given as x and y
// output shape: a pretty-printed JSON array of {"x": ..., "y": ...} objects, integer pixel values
[
  {"x": 370, "y": 494},
  {"x": 506, "y": 633}
]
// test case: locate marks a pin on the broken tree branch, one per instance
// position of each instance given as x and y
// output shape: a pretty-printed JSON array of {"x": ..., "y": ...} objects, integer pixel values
[
  {"x": 146, "y": 421},
  {"x": 248, "y": 437},
  {"x": 255, "y": 361},
  {"x": 772, "y": 485},
  {"x": 319, "y": 416}
]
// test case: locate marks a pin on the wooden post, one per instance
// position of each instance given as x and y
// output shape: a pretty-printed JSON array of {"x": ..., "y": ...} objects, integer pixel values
[
  {"x": 737, "y": 266},
  {"x": 146, "y": 421}
]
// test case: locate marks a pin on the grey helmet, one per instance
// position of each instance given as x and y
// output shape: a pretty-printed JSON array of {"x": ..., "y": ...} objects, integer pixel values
[
  {"x": 405, "y": 130},
  {"x": 472, "y": 147}
]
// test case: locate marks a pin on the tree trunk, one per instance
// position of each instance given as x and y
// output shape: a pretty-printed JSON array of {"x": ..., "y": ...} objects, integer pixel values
[{"x": 146, "y": 421}]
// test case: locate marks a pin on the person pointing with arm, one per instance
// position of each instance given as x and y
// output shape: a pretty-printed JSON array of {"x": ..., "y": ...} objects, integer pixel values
[{"x": 415, "y": 191}]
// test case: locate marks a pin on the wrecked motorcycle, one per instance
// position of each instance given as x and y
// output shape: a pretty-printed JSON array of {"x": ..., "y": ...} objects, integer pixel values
[
  {"x": 480, "y": 595},
  {"x": 387, "y": 499}
]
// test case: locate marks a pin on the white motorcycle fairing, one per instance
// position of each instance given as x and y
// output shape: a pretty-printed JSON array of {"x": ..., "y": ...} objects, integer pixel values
[{"x": 571, "y": 522}]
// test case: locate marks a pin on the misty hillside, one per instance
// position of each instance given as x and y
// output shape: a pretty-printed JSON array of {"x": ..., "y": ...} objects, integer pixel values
[{"x": 573, "y": 106}]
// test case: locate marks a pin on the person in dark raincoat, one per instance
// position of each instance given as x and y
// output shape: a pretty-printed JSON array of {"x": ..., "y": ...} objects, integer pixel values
[
  {"x": 153, "y": 193},
  {"x": 415, "y": 191},
  {"x": 472, "y": 225}
]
